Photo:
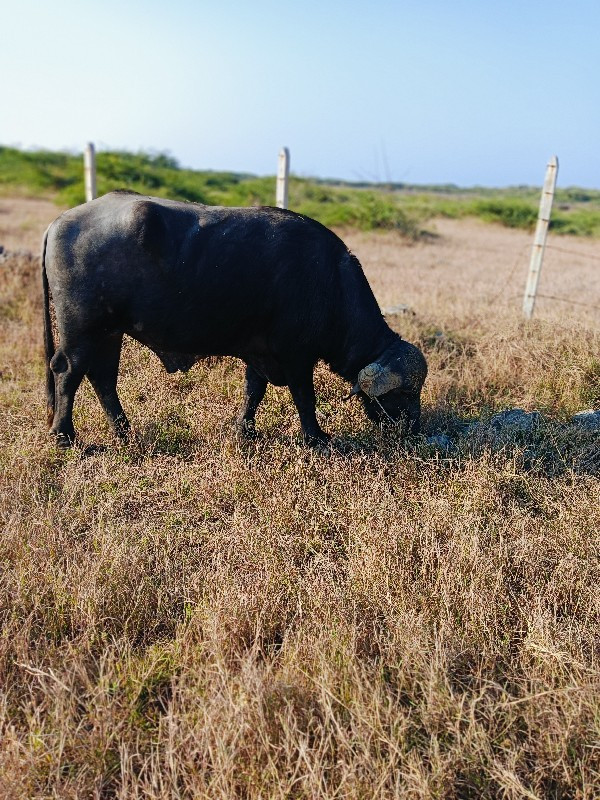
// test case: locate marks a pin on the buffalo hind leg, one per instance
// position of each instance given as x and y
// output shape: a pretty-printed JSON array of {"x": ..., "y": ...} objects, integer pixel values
[
  {"x": 69, "y": 367},
  {"x": 255, "y": 387},
  {"x": 303, "y": 394},
  {"x": 102, "y": 374}
]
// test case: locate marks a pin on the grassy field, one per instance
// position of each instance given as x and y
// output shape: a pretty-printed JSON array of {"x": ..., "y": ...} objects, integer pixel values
[{"x": 185, "y": 616}]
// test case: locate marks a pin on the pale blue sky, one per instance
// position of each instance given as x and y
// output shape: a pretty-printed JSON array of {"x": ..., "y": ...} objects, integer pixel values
[{"x": 452, "y": 91}]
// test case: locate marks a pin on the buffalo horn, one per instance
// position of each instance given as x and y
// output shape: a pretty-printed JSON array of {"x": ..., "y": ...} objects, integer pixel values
[{"x": 375, "y": 380}]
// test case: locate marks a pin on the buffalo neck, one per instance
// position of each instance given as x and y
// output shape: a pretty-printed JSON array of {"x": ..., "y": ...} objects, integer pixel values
[{"x": 364, "y": 334}]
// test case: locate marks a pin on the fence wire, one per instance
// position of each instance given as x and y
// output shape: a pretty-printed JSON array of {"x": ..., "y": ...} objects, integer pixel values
[
  {"x": 583, "y": 255},
  {"x": 504, "y": 283},
  {"x": 573, "y": 252}
]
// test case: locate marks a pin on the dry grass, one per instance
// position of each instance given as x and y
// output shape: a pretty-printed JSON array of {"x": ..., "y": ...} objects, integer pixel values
[
  {"x": 184, "y": 616},
  {"x": 23, "y": 221}
]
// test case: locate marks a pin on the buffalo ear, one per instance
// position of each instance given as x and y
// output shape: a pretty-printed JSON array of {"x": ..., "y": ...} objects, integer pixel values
[{"x": 375, "y": 380}]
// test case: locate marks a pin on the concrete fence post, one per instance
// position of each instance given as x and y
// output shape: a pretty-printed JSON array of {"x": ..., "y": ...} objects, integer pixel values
[
  {"x": 539, "y": 241},
  {"x": 89, "y": 171},
  {"x": 283, "y": 174}
]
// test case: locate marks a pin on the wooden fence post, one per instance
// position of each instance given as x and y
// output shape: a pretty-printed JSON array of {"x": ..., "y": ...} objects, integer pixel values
[
  {"x": 283, "y": 174},
  {"x": 89, "y": 171},
  {"x": 539, "y": 241}
]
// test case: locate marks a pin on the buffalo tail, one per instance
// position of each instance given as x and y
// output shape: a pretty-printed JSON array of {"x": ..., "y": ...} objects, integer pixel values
[{"x": 48, "y": 337}]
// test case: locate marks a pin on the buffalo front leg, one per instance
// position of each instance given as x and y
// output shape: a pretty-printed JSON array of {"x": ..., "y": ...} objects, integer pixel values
[
  {"x": 102, "y": 374},
  {"x": 303, "y": 394},
  {"x": 255, "y": 387}
]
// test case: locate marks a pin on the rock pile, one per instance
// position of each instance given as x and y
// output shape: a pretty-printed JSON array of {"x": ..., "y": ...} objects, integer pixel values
[{"x": 512, "y": 424}]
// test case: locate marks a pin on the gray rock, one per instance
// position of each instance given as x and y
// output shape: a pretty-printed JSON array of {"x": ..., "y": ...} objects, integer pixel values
[
  {"x": 517, "y": 419},
  {"x": 398, "y": 309},
  {"x": 588, "y": 419}
]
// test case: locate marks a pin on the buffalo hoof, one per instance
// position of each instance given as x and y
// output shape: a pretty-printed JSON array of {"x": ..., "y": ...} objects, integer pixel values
[
  {"x": 320, "y": 443},
  {"x": 94, "y": 450},
  {"x": 63, "y": 441},
  {"x": 246, "y": 429},
  {"x": 121, "y": 428}
]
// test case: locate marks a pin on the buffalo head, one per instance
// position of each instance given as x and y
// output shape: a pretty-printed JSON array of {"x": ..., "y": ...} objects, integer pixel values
[{"x": 390, "y": 388}]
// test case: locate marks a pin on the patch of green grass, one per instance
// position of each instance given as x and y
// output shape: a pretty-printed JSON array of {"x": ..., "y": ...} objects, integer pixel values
[
  {"x": 576, "y": 222},
  {"x": 512, "y": 213}
]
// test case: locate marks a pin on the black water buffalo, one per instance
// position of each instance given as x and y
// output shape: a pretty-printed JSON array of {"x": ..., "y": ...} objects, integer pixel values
[{"x": 271, "y": 287}]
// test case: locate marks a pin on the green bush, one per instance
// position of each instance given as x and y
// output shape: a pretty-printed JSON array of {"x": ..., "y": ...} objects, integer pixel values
[
  {"x": 578, "y": 222},
  {"x": 513, "y": 213}
]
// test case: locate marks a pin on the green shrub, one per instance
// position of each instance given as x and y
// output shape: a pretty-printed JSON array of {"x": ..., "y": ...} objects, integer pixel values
[
  {"x": 579, "y": 222},
  {"x": 513, "y": 213}
]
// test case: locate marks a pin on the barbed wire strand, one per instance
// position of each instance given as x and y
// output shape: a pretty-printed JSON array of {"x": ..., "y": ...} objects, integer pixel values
[
  {"x": 506, "y": 281},
  {"x": 566, "y": 300},
  {"x": 560, "y": 299},
  {"x": 572, "y": 252}
]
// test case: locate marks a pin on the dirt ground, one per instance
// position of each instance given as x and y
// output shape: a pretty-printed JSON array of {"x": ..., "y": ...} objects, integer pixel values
[
  {"x": 482, "y": 268},
  {"x": 475, "y": 266}
]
